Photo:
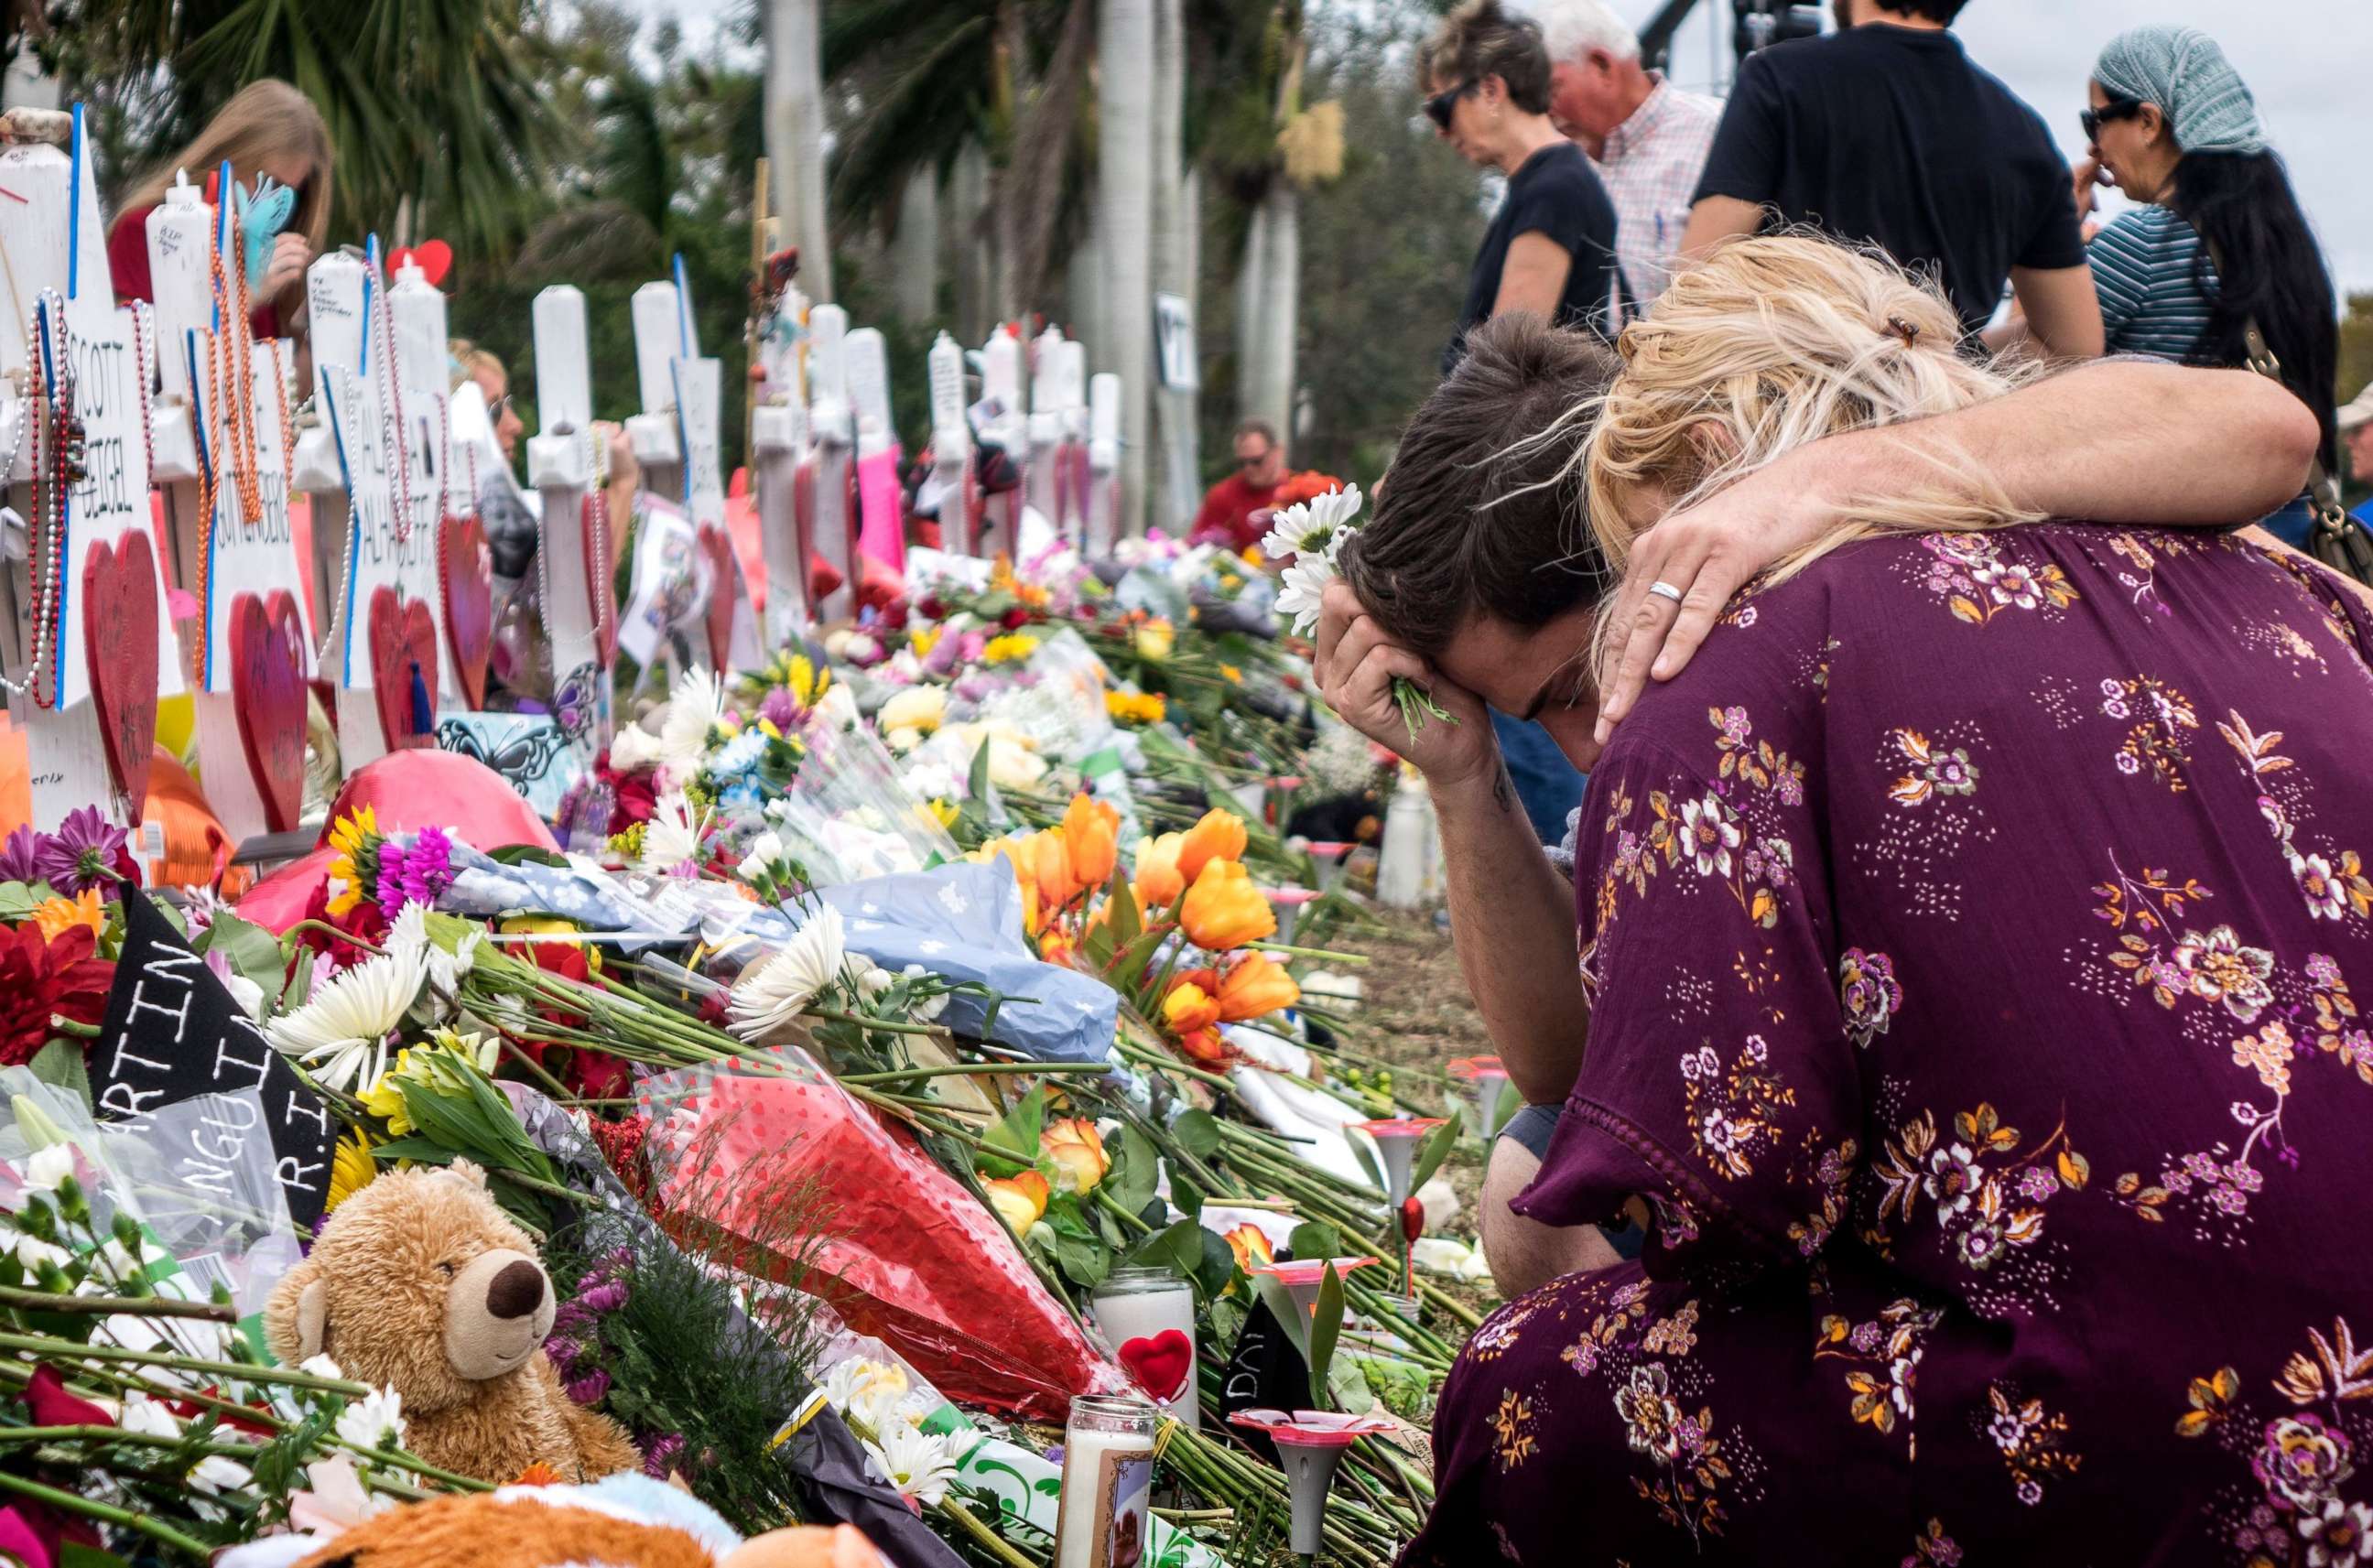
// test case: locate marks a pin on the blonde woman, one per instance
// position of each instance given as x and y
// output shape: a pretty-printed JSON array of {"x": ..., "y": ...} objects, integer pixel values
[
  {"x": 267, "y": 128},
  {"x": 1967, "y": 937}
]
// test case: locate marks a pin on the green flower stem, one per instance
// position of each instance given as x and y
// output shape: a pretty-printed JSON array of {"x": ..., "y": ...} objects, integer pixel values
[
  {"x": 883, "y": 1025},
  {"x": 107, "y": 1513},
  {"x": 989, "y": 1541},
  {"x": 1352, "y": 958},
  {"x": 969, "y": 1069},
  {"x": 67, "y": 1350},
  {"x": 1417, "y": 705},
  {"x": 62, "y": 1024},
  {"x": 1144, "y": 1058},
  {"x": 1111, "y": 1206},
  {"x": 109, "y": 1307}
]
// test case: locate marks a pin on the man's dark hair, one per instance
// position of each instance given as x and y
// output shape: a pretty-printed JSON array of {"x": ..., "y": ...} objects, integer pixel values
[
  {"x": 1481, "y": 512},
  {"x": 1479, "y": 40},
  {"x": 1256, "y": 427},
  {"x": 1941, "y": 12}
]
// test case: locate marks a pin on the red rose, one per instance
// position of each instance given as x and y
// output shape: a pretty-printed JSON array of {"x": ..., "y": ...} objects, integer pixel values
[
  {"x": 40, "y": 977},
  {"x": 1013, "y": 620},
  {"x": 932, "y": 609}
]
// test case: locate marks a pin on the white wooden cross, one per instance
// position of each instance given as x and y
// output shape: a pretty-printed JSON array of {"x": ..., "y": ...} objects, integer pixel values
[
  {"x": 783, "y": 479},
  {"x": 458, "y": 578},
  {"x": 882, "y": 501},
  {"x": 1008, "y": 428},
  {"x": 1044, "y": 486},
  {"x": 674, "y": 376},
  {"x": 952, "y": 473},
  {"x": 254, "y": 648},
  {"x": 91, "y": 678},
  {"x": 1100, "y": 507},
  {"x": 832, "y": 426},
  {"x": 567, "y": 463}
]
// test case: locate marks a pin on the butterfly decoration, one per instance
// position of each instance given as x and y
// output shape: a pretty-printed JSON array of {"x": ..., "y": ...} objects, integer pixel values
[
  {"x": 262, "y": 216},
  {"x": 522, "y": 758}
]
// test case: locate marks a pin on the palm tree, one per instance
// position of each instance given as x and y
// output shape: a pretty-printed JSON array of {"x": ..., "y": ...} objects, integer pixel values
[
  {"x": 795, "y": 136},
  {"x": 1125, "y": 222},
  {"x": 437, "y": 101},
  {"x": 1177, "y": 252}
]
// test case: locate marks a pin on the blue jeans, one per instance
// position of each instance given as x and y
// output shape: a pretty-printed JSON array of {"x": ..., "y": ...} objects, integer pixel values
[
  {"x": 1548, "y": 785},
  {"x": 2291, "y": 524}
]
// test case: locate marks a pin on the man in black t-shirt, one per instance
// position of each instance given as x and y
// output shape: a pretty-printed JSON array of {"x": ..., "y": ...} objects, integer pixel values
[{"x": 1885, "y": 131}]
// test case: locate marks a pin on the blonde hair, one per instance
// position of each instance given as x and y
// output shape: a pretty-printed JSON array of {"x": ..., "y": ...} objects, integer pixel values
[
  {"x": 264, "y": 119},
  {"x": 467, "y": 360},
  {"x": 1770, "y": 344}
]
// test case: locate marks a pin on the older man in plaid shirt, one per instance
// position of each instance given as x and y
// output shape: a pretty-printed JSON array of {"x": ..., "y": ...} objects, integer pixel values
[{"x": 1648, "y": 138}]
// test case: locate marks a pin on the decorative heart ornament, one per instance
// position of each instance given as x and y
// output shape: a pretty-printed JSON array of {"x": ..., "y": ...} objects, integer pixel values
[
  {"x": 120, "y": 640},
  {"x": 433, "y": 257},
  {"x": 1160, "y": 1364},
  {"x": 465, "y": 572},
  {"x": 403, "y": 648},
  {"x": 720, "y": 551},
  {"x": 600, "y": 587},
  {"x": 267, "y": 688}
]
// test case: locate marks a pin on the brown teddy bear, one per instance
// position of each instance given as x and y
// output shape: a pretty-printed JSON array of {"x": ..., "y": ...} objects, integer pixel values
[{"x": 420, "y": 1283}]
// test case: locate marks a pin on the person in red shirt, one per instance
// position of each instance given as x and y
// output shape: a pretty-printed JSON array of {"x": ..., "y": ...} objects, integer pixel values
[
  {"x": 1228, "y": 507},
  {"x": 268, "y": 127}
]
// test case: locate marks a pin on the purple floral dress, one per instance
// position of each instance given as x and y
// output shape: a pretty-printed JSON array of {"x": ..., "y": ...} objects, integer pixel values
[{"x": 1970, "y": 933}]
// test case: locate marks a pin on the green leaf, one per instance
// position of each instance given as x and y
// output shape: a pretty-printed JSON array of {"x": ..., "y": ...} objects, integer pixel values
[
  {"x": 1288, "y": 1314},
  {"x": 1218, "y": 1262},
  {"x": 300, "y": 975},
  {"x": 1086, "y": 1261},
  {"x": 1124, "y": 925},
  {"x": 1172, "y": 1246},
  {"x": 19, "y": 899},
  {"x": 1137, "y": 1170},
  {"x": 1313, "y": 1239},
  {"x": 527, "y": 855},
  {"x": 1198, "y": 1133},
  {"x": 1367, "y": 1158},
  {"x": 1185, "y": 1196},
  {"x": 1015, "y": 1135},
  {"x": 60, "y": 1065},
  {"x": 1432, "y": 1151},
  {"x": 1325, "y": 1327},
  {"x": 1136, "y": 956},
  {"x": 252, "y": 952}
]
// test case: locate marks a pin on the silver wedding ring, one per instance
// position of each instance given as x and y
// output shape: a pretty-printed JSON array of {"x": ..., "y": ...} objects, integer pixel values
[{"x": 1666, "y": 590}]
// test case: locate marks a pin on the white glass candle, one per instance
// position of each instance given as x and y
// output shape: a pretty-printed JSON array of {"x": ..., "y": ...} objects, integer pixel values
[
  {"x": 1107, "y": 1515},
  {"x": 1148, "y": 1316}
]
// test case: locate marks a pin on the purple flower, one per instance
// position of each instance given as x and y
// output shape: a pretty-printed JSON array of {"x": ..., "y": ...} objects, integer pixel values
[
  {"x": 1866, "y": 1337},
  {"x": 661, "y": 1456},
  {"x": 81, "y": 853},
  {"x": 562, "y": 1351},
  {"x": 781, "y": 709},
  {"x": 604, "y": 1298},
  {"x": 428, "y": 866},
  {"x": 21, "y": 855},
  {"x": 588, "y": 1389},
  {"x": 570, "y": 1317}
]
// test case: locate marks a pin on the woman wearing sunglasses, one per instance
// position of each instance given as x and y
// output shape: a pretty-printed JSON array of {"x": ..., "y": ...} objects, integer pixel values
[
  {"x": 2221, "y": 241},
  {"x": 1551, "y": 248}
]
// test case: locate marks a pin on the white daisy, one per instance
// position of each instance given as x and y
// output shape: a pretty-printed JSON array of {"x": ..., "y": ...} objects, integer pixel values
[
  {"x": 340, "y": 1035},
  {"x": 1311, "y": 528},
  {"x": 148, "y": 1416},
  {"x": 1305, "y": 586},
  {"x": 673, "y": 835},
  {"x": 374, "y": 1421},
  {"x": 773, "y": 994},
  {"x": 691, "y": 713},
  {"x": 918, "y": 1463},
  {"x": 410, "y": 936}
]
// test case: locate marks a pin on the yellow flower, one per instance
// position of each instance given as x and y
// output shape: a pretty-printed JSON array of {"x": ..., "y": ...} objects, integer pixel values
[
  {"x": 1092, "y": 840},
  {"x": 922, "y": 642},
  {"x": 1224, "y": 910},
  {"x": 1256, "y": 986},
  {"x": 1154, "y": 639},
  {"x": 355, "y": 838},
  {"x": 1220, "y": 836},
  {"x": 1136, "y": 707},
  {"x": 1159, "y": 881},
  {"x": 57, "y": 916},
  {"x": 1051, "y": 856},
  {"x": 351, "y": 1168},
  {"x": 920, "y": 708},
  {"x": 385, "y": 1098},
  {"x": 1188, "y": 1008},
  {"x": 1250, "y": 1244},
  {"x": 943, "y": 812},
  {"x": 1010, "y": 648},
  {"x": 1235, "y": 676},
  {"x": 551, "y": 925},
  {"x": 1019, "y": 1201},
  {"x": 1078, "y": 1150}
]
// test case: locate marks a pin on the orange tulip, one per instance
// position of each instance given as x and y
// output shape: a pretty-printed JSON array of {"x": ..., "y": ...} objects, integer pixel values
[
  {"x": 1078, "y": 1150},
  {"x": 1255, "y": 986},
  {"x": 1220, "y": 836},
  {"x": 1189, "y": 1008},
  {"x": 1092, "y": 833},
  {"x": 1159, "y": 880},
  {"x": 1250, "y": 1244},
  {"x": 1057, "y": 886},
  {"x": 1224, "y": 910},
  {"x": 1208, "y": 1047},
  {"x": 1022, "y": 854},
  {"x": 1020, "y": 1200}
]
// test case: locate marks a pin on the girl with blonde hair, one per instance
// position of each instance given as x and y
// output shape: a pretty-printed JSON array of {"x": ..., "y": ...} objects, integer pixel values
[
  {"x": 1967, "y": 938},
  {"x": 267, "y": 128}
]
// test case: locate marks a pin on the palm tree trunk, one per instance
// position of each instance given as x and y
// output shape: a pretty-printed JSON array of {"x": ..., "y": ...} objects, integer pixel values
[
  {"x": 1125, "y": 208},
  {"x": 1084, "y": 282},
  {"x": 1174, "y": 251},
  {"x": 1280, "y": 286},
  {"x": 974, "y": 236},
  {"x": 914, "y": 254},
  {"x": 794, "y": 117},
  {"x": 1252, "y": 274}
]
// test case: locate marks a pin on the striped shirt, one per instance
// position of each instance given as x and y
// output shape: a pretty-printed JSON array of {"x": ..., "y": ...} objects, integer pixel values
[
  {"x": 2149, "y": 271},
  {"x": 1650, "y": 167}
]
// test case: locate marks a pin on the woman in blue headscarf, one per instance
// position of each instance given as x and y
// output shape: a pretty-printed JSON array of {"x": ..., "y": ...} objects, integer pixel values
[{"x": 2221, "y": 241}]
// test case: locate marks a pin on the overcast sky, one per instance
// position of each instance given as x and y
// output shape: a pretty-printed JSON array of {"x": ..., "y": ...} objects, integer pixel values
[{"x": 2306, "y": 60}]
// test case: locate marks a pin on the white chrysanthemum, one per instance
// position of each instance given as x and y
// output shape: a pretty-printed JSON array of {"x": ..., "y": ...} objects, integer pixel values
[
  {"x": 635, "y": 749},
  {"x": 1311, "y": 528},
  {"x": 693, "y": 711},
  {"x": 215, "y": 1475},
  {"x": 409, "y": 936},
  {"x": 1305, "y": 586},
  {"x": 774, "y": 992},
  {"x": 149, "y": 1417},
  {"x": 918, "y": 1463},
  {"x": 673, "y": 835},
  {"x": 374, "y": 1421},
  {"x": 340, "y": 1035}
]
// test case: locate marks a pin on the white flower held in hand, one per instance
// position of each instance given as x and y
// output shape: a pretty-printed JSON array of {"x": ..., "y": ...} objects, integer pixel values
[{"x": 1310, "y": 534}]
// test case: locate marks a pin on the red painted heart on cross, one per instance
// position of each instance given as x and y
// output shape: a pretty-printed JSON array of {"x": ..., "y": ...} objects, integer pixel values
[
  {"x": 433, "y": 257},
  {"x": 120, "y": 640},
  {"x": 601, "y": 586},
  {"x": 267, "y": 690},
  {"x": 721, "y": 597},
  {"x": 1160, "y": 1364},
  {"x": 403, "y": 650},
  {"x": 465, "y": 571}
]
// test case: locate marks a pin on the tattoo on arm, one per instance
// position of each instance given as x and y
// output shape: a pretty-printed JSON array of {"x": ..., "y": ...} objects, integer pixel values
[{"x": 1503, "y": 789}]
